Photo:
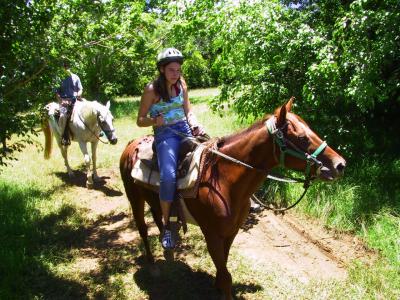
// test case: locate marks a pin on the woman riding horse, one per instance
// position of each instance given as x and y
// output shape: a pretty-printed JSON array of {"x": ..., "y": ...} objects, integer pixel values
[
  {"x": 165, "y": 106},
  {"x": 222, "y": 202}
]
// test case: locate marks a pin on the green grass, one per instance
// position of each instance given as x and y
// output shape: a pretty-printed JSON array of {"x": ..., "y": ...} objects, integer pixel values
[
  {"x": 366, "y": 202},
  {"x": 44, "y": 226}
]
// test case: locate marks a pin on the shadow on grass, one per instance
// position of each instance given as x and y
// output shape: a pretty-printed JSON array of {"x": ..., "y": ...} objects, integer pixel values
[
  {"x": 79, "y": 179},
  {"x": 36, "y": 246},
  {"x": 378, "y": 186},
  {"x": 177, "y": 280},
  {"x": 31, "y": 243}
]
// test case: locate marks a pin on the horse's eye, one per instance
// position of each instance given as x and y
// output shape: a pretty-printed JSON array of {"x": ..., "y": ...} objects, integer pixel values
[{"x": 303, "y": 139}]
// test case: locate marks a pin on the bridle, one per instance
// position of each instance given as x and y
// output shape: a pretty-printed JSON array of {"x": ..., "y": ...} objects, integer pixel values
[
  {"x": 283, "y": 143},
  {"x": 103, "y": 125}
]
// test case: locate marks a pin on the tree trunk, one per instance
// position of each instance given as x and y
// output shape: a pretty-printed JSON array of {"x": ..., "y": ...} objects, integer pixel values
[{"x": 4, "y": 143}]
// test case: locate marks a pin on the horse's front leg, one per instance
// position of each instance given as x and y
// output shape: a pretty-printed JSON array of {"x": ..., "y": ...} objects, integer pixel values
[
  {"x": 94, "y": 161},
  {"x": 86, "y": 156},
  {"x": 217, "y": 248}
]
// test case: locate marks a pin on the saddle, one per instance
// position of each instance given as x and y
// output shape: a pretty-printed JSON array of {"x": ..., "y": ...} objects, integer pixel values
[
  {"x": 69, "y": 103},
  {"x": 145, "y": 169}
]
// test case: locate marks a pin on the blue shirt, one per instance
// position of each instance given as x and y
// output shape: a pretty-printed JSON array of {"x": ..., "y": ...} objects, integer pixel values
[
  {"x": 70, "y": 85},
  {"x": 172, "y": 111}
]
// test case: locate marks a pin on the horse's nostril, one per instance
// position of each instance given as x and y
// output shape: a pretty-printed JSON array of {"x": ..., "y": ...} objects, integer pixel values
[
  {"x": 114, "y": 141},
  {"x": 340, "y": 167}
]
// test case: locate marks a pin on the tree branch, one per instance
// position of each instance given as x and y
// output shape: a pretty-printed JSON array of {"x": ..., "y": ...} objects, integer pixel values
[{"x": 24, "y": 82}]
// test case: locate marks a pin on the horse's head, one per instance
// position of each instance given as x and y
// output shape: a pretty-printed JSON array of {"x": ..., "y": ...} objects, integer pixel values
[
  {"x": 302, "y": 149},
  {"x": 105, "y": 121}
]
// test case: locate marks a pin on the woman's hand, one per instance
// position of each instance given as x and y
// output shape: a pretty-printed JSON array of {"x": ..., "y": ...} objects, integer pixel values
[
  {"x": 195, "y": 126},
  {"x": 159, "y": 120},
  {"x": 197, "y": 130}
]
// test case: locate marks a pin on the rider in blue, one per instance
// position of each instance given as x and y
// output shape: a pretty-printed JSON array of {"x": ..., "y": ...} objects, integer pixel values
[
  {"x": 69, "y": 91},
  {"x": 165, "y": 106}
]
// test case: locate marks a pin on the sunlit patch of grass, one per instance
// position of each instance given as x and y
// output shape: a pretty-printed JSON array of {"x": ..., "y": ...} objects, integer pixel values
[
  {"x": 388, "y": 226},
  {"x": 125, "y": 107},
  {"x": 378, "y": 281},
  {"x": 366, "y": 201}
]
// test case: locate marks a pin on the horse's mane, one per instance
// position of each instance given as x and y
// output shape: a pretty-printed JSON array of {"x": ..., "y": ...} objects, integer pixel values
[
  {"x": 95, "y": 106},
  {"x": 244, "y": 132}
]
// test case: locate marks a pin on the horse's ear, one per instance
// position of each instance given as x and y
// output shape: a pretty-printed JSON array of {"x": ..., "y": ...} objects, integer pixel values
[
  {"x": 289, "y": 104},
  {"x": 108, "y": 105},
  {"x": 281, "y": 112}
]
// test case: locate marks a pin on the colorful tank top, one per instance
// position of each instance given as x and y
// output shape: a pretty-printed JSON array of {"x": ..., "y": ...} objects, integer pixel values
[{"x": 172, "y": 111}]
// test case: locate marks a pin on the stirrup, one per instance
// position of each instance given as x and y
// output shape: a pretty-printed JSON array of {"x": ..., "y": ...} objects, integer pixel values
[{"x": 167, "y": 241}]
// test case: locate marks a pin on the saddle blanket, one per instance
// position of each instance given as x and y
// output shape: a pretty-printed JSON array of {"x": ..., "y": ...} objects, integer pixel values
[{"x": 142, "y": 173}]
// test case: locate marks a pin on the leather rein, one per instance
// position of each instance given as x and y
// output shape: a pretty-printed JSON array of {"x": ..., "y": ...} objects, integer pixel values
[{"x": 283, "y": 143}]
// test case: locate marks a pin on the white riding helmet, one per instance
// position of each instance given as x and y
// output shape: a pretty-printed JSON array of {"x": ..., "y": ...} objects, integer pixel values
[{"x": 169, "y": 55}]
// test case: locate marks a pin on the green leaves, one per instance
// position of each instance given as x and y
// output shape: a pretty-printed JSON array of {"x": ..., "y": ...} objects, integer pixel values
[
  {"x": 340, "y": 61},
  {"x": 338, "y": 58}
]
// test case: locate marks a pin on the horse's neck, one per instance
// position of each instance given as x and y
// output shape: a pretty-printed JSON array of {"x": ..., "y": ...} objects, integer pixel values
[
  {"x": 254, "y": 148},
  {"x": 86, "y": 113}
]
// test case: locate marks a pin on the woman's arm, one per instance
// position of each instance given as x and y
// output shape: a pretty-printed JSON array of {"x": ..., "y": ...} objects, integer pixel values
[
  {"x": 186, "y": 102},
  {"x": 146, "y": 102},
  {"x": 195, "y": 126}
]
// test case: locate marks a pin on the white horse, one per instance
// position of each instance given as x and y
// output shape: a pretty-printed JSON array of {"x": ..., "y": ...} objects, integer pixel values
[{"x": 88, "y": 119}]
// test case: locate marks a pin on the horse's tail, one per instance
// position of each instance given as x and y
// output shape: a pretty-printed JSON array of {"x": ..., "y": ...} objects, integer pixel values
[{"x": 48, "y": 138}]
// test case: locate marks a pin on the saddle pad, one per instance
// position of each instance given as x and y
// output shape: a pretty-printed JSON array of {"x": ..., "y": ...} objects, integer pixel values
[
  {"x": 142, "y": 173},
  {"x": 146, "y": 148}
]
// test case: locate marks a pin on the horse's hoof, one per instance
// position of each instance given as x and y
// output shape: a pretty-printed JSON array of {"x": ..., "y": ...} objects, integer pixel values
[
  {"x": 169, "y": 255},
  {"x": 155, "y": 271}
]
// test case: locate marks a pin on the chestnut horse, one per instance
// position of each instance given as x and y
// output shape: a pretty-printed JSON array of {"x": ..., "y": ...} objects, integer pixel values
[{"x": 222, "y": 202}]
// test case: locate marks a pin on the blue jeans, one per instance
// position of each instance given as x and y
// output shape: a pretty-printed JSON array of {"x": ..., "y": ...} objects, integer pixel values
[{"x": 167, "y": 147}]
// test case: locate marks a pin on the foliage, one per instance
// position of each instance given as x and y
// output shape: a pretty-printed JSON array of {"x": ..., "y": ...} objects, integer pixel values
[
  {"x": 339, "y": 60},
  {"x": 107, "y": 42},
  {"x": 23, "y": 61},
  {"x": 190, "y": 28}
]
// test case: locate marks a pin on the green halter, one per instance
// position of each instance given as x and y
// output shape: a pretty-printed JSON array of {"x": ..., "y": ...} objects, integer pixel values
[{"x": 280, "y": 140}]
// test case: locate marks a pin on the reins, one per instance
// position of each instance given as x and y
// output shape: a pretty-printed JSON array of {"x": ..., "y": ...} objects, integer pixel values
[{"x": 279, "y": 140}]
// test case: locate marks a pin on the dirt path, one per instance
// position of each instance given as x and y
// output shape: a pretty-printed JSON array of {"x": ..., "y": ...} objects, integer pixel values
[
  {"x": 299, "y": 246},
  {"x": 302, "y": 248}
]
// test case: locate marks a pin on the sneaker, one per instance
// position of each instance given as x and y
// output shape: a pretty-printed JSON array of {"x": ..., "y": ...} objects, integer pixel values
[
  {"x": 65, "y": 142},
  {"x": 255, "y": 208},
  {"x": 167, "y": 241}
]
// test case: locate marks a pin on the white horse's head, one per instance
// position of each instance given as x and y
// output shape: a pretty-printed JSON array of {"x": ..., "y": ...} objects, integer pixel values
[{"x": 105, "y": 121}]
